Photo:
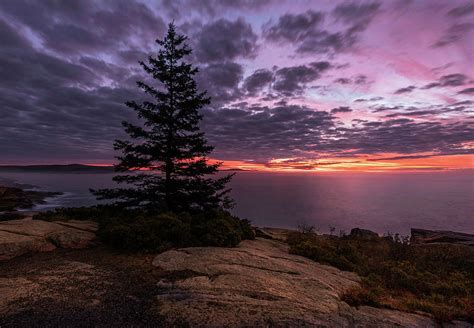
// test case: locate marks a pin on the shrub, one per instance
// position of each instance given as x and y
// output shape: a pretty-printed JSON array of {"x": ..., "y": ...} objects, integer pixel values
[
  {"x": 247, "y": 232},
  {"x": 220, "y": 228},
  {"x": 141, "y": 231},
  {"x": 341, "y": 255},
  {"x": 438, "y": 279},
  {"x": 357, "y": 296},
  {"x": 11, "y": 216},
  {"x": 94, "y": 213},
  {"x": 217, "y": 232},
  {"x": 151, "y": 233}
]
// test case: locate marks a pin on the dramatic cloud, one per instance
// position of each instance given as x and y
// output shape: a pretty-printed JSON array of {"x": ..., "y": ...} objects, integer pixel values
[
  {"x": 221, "y": 80},
  {"x": 467, "y": 91},
  {"x": 358, "y": 80},
  {"x": 454, "y": 34},
  {"x": 294, "y": 27},
  {"x": 305, "y": 29},
  {"x": 407, "y": 136},
  {"x": 289, "y": 81},
  {"x": 308, "y": 31},
  {"x": 292, "y": 80},
  {"x": 343, "y": 80},
  {"x": 225, "y": 40},
  {"x": 266, "y": 131},
  {"x": 451, "y": 80},
  {"x": 357, "y": 15},
  {"x": 86, "y": 26},
  {"x": 342, "y": 109},
  {"x": 405, "y": 90},
  {"x": 294, "y": 131},
  {"x": 258, "y": 80},
  {"x": 179, "y": 8},
  {"x": 360, "y": 100},
  {"x": 464, "y": 10}
]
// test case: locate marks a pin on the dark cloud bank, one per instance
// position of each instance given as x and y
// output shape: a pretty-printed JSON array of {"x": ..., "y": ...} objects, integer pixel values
[{"x": 64, "y": 83}]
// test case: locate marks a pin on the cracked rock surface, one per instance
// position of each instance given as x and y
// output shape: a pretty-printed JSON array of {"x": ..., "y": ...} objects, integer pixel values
[
  {"x": 18, "y": 237},
  {"x": 260, "y": 284}
]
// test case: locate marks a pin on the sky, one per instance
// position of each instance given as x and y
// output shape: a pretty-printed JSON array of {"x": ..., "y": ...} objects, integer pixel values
[{"x": 295, "y": 85}]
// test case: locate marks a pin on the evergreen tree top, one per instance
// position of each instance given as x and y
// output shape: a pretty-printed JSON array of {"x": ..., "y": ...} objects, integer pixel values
[{"x": 169, "y": 141}]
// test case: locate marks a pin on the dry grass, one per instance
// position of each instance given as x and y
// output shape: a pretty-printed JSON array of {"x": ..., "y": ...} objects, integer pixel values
[{"x": 437, "y": 279}]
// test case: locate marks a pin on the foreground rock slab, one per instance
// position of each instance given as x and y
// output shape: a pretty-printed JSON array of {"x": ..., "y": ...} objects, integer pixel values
[
  {"x": 259, "y": 284},
  {"x": 18, "y": 237}
]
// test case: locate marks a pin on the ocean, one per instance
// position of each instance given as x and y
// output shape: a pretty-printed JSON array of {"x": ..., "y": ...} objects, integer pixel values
[{"x": 382, "y": 202}]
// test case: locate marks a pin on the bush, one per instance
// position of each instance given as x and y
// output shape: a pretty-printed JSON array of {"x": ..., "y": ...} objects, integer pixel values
[
  {"x": 357, "y": 296},
  {"x": 247, "y": 232},
  {"x": 438, "y": 279},
  {"x": 11, "y": 216},
  {"x": 217, "y": 231},
  {"x": 152, "y": 233},
  {"x": 342, "y": 255},
  {"x": 141, "y": 231},
  {"x": 94, "y": 213}
]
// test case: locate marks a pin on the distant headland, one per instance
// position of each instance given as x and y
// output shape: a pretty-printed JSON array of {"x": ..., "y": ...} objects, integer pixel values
[
  {"x": 76, "y": 168},
  {"x": 72, "y": 168}
]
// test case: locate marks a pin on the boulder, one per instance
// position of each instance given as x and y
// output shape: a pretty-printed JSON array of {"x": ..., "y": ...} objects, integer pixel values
[
  {"x": 272, "y": 233},
  {"x": 23, "y": 236},
  {"x": 359, "y": 233},
  {"x": 12, "y": 198},
  {"x": 259, "y": 284},
  {"x": 261, "y": 233},
  {"x": 422, "y": 236}
]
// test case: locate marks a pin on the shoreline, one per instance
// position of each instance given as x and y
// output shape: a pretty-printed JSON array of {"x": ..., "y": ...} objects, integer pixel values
[
  {"x": 383, "y": 222},
  {"x": 14, "y": 199}
]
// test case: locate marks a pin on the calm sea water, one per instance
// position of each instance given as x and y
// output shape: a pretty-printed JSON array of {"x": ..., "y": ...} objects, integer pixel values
[{"x": 383, "y": 202}]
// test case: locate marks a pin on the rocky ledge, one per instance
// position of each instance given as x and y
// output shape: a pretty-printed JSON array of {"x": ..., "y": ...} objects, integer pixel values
[
  {"x": 258, "y": 284},
  {"x": 12, "y": 198},
  {"x": 18, "y": 237},
  {"x": 422, "y": 236}
]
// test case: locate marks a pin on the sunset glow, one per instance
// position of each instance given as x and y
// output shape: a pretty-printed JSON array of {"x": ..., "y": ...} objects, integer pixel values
[
  {"x": 237, "y": 163},
  {"x": 441, "y": 163},
  {"x": 311, "y": 86}
]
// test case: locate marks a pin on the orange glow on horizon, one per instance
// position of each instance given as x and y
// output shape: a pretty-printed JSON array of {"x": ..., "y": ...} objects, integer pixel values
[
  {"x": 382, "y": 163},
  {"x": 100, "y": 165},
  {"x": 362, "y": 164}
]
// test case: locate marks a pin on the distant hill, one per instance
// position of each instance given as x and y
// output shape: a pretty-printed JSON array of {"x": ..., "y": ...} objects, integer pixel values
[{"x": 73, "y": 168}]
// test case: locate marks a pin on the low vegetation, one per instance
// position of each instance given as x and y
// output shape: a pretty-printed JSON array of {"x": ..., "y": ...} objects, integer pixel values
[
  {"x": 7, "y": 216},
  {"x": 437, "y": 279},
  {"x": 137, "y": 230}
]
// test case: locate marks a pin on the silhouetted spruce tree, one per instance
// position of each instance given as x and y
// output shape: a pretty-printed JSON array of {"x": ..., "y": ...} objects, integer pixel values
[{"x": 169, "y": 144}]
